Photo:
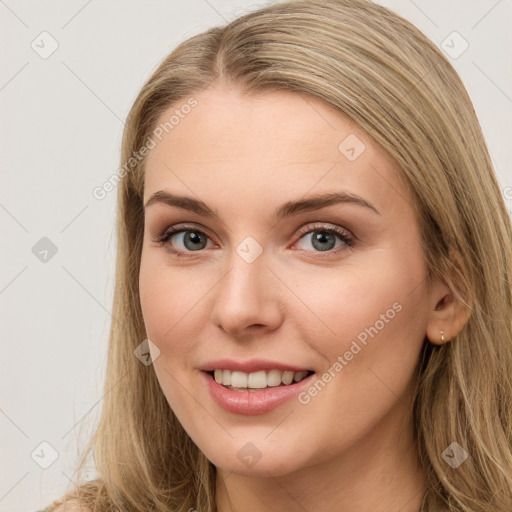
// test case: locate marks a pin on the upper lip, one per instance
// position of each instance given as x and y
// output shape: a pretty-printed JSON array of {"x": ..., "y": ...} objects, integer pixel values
[{"x": 250, "y": 365}]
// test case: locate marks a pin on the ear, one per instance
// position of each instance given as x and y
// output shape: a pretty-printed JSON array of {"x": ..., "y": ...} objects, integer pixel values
[{"x": 448, "y": 315}]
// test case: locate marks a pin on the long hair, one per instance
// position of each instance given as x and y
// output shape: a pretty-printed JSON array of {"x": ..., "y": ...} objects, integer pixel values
[{"x": 385, "y": 75}]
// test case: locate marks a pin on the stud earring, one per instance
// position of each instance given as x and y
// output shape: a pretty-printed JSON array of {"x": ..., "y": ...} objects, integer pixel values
[{"x": 442, "y": 336}]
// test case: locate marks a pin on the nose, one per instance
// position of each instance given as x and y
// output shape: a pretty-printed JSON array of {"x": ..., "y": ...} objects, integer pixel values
[{"x": 247, "y": 298}]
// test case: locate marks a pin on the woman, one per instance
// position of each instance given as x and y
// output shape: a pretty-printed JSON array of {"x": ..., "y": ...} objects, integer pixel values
[{"x": 314, "y": 255}]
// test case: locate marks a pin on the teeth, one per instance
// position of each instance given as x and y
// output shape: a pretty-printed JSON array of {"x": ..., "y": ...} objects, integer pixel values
[
  {"x": 257, "y": 380},
  {"x": 287, "y": 378},
  {"x": 274, "y": 378},
  {"x": 238, "y": 379}
]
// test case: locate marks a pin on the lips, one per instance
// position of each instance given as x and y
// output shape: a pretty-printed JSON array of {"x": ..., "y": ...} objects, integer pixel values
[
  {"x": 250, "y": 401},
  {"x": 253, "y": 402}
]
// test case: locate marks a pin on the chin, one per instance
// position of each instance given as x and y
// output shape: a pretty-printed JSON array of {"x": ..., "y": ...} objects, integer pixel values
[{"x": 249, "y": 460}]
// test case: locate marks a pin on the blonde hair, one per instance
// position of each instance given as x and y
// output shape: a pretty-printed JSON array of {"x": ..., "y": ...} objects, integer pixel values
[{"x": 384, "y": 74}]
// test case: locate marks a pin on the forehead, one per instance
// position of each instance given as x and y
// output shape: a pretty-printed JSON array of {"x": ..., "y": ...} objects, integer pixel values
[
  {"x": 275, "y": 121},
  {"x": 271, "y": 143}
]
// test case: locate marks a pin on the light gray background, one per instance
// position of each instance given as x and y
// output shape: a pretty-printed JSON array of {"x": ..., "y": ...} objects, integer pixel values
[{"x": 61, "y": 126}]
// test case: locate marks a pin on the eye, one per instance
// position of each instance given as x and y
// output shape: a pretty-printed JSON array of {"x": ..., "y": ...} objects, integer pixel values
[
  {"x": 187, "y": 238},
  {"x": 325, "y": 238}
]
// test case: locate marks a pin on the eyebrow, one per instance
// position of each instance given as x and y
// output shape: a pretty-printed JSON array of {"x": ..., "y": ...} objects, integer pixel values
[{"x": 285, "y": 210}]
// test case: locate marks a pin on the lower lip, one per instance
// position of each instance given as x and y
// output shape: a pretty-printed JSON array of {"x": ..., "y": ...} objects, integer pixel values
[{"x": 254, "y": 402}]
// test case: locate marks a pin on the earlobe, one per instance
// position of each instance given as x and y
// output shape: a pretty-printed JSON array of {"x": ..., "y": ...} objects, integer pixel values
[
  {"x": 441, "y": 339},
  {"x": 447, "y": 317}
]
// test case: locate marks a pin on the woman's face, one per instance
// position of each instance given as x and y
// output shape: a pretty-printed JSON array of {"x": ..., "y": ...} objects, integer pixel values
[{"x": 250, "y": 290}]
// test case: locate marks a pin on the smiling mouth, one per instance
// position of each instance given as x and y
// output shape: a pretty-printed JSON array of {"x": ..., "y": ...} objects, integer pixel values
[{"x": 257, "y": 381}]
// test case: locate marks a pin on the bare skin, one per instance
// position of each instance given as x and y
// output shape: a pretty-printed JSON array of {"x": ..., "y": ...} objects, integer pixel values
[{"x": 351, "y": 447}]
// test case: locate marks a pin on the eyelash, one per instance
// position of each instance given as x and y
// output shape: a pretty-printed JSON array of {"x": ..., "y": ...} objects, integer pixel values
[{"x": 164, "y": 237}]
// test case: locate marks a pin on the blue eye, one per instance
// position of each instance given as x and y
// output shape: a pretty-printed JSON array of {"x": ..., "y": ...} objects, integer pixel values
[
  {"x": 192, "y": 240},
  {"x": 323, "y": 238}
]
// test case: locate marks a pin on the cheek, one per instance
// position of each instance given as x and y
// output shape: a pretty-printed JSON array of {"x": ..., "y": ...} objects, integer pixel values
[
  {"x": 370, "y": 339},
  {"x": 372, "y": 316},
  {"x": 169, "y": 299},
  {"x": 345, "y": 302}
]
